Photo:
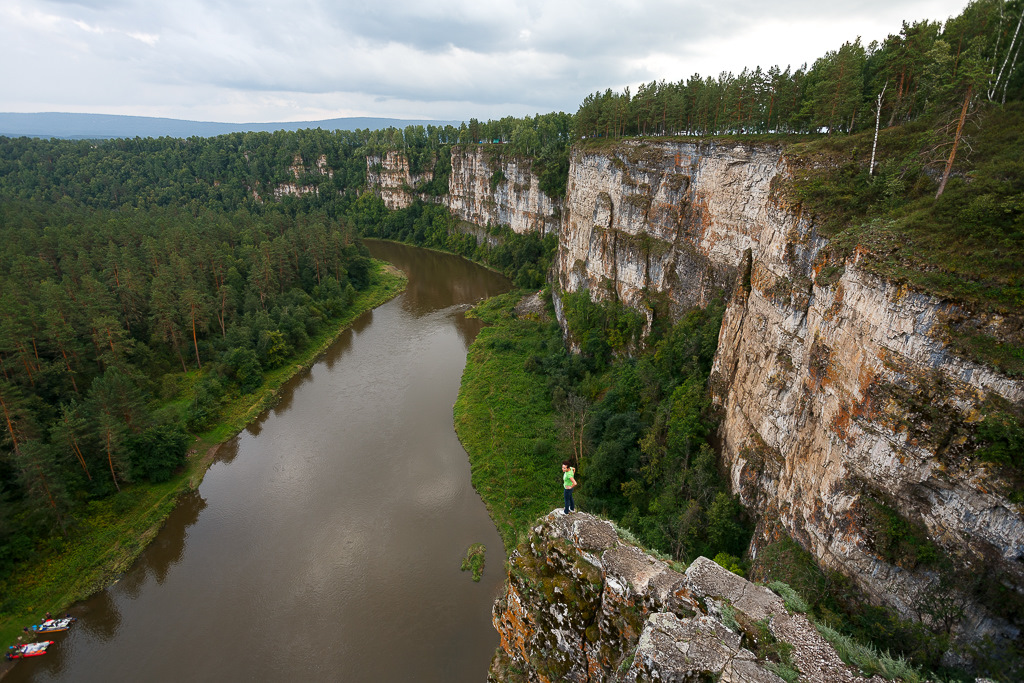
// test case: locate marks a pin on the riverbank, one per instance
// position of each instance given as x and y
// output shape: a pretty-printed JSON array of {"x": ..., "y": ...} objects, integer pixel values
[
  {"x": 505, "y": 421},
  {"x": 107, "y": 540}
]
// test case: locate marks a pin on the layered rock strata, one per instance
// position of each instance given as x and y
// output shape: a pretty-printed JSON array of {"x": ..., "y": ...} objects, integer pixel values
[
  {"x": 668, "y": 218},
  {"x": 390, "y": 177},
  {"x": 485, "y": 188},
  {"x": 582, "y": 604},
  {"x": 492, "y": 189},
  {"x": 298, "y": 171},
  {"x": 842, "y": 404}
]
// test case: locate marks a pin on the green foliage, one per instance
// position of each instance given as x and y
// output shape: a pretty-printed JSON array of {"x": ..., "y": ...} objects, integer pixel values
[
  {"x": 792, "y": 599},
  {"x": 601, "y": 328},
  {"x": 967, "y": 245},
  {"x": 784, "y": 671},
  {"x": 496, "y": 179},
  {"x": 899, "y": 540},
  {"x": 543, "y": 139},
  {"x": 123, "y": 300},
  {"x": 503, "y": 412},
  {"x": 157, "y": 452},
  {"x": 1001, "y": 434},
  {"x": 830, "y": 598},
  {"x": 777, "y": 654},
  {"x": 867, "y": 659},
  {"x": 243, "y": 367},
  {"x": 926, "y": 68},
  {"x": 110, "y": 529},
  {"x": 474, "y": 560},
  {"x": 728, "y": 614},
  {"x": 730, "y": 562}
]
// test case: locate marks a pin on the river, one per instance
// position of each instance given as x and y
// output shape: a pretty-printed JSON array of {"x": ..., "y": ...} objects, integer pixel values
[{"x": 325, "y": 541}]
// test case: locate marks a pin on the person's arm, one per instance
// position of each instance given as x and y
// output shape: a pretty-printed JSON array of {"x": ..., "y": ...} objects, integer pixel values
[{"x": 572, "y": 476}]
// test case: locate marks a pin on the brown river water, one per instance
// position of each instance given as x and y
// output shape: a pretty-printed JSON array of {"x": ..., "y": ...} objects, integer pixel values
[{"x": 324, "y": 544}]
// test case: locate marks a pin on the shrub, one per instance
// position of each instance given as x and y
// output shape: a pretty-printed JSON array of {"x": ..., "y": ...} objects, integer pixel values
[
  {"x": 157, "y": 452},
  {"x": 792, "y": 599}
]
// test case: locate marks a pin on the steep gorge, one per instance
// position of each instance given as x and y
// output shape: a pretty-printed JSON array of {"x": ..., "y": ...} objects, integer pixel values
[
  {"x": 839, "y": 395},
  {"x": 845, "y": 410}
]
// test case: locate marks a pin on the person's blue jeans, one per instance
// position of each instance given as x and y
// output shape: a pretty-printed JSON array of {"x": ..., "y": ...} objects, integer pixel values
[{"x": 570, "y": 506}]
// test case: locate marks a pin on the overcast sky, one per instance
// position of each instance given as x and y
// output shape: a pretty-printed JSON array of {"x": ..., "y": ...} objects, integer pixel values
[{"x": 301, "y": 60}]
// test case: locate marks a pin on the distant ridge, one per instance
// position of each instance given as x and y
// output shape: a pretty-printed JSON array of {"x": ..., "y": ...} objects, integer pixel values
[{"x": 102, "y": 126}]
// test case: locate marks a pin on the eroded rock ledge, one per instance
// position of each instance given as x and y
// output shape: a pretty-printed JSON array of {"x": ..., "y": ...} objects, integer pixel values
[{"x": 582, "y": 604}]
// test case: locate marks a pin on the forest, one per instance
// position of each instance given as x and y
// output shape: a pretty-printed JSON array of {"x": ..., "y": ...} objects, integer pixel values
[
  {"x": 147, "y": 281},
  {"x": 107, "y": 315},
  {"x": 946, "y": 70}
]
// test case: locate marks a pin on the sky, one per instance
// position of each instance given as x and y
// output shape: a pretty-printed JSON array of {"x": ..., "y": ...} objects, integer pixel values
[{"x": 244, "y": 61}]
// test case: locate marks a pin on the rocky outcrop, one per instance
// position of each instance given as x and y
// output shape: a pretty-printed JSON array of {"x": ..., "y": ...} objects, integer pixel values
[
  {"x": 298, "y": 171},
  {"x": 485, "y": 188},
  {"x": 582, "y": 604},
  {"x": 389, "y": 176},
  {"x": 842, "y": 404}
]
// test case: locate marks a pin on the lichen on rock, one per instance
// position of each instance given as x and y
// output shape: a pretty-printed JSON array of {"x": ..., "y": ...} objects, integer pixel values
[{"x": 582, "y": 604}]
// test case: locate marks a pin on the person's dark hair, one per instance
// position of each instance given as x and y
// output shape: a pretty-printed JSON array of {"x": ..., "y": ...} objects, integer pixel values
[{"x": 567, "y": 463}]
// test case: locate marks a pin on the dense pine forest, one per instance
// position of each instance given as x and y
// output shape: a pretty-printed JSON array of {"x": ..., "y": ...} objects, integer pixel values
[
  {"x": 106, "y": 312},
  {"x": 945, "y": 70},
  {"x": 147, "y": 281}
]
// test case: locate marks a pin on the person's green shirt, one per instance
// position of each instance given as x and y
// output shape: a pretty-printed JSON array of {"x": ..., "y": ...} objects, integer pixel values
[{"x": 568, "y": 481}]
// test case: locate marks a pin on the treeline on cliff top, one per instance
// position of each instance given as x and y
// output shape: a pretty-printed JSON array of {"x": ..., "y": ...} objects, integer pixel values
[
  {"x": 927, "y": 69},
  {"x": 306, "y": 168}
]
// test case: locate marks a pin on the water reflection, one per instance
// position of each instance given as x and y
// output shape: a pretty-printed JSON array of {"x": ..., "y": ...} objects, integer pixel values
[
  {"x": 325, "y": 541},
  {"x": 167, "y": 549},
  {"x": 437, "y": 280}
]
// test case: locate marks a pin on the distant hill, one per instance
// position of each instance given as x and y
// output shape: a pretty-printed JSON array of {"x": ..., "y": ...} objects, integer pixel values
[{"x": 97, "y": 126}]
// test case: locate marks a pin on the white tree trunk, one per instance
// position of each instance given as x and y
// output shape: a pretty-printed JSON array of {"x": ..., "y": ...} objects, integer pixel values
[{"x": 878, "y": 115}]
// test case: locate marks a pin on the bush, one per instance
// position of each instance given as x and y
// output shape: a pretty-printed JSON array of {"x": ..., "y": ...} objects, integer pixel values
[
  {"x": 243, "y": 368},
  {"x": 157, "y": 452}
]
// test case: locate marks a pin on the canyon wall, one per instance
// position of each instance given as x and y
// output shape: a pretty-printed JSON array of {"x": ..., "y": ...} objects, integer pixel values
[
  {"x": 845, "y": 414},
  {"x": 298, "y": 171},
  {"x": 390, "y": 178},
  {"x": 843, "y": 408},
  {"x": 484, "y": 188},
  {"x": 491, "y": 189}
]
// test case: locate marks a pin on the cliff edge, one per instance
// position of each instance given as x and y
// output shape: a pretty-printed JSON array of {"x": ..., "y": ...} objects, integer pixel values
[
  {"x": 583, "y": 604},
  {"x": 849, "y": 422}
]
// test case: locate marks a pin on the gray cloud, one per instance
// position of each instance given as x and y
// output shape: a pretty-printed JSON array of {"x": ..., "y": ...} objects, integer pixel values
[{"x": 266, "y": 58}]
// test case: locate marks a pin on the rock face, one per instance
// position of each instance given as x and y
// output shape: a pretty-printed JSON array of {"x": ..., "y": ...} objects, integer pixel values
[
  {"x": 484, "y": 188},
  {"x": 293, "y": 188},
  {"x": 584, "y": 605},
  {"x": 841, "y": 402},
  {"x": 669, "y": 218},
  {"x": 497, "y": 190},
  {"x": 390, "y": 177}
]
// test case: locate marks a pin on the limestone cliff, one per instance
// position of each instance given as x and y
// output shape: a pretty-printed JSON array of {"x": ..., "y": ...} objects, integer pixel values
[
  {"x": 390, "y": 177},
  {"x": 670, "y": 218},
  {"x": 298, "y": 171},
  {"x": 840, "y": 397},
  {"x": 485, "y": 188},
  {"x": 582, "y": 604}
]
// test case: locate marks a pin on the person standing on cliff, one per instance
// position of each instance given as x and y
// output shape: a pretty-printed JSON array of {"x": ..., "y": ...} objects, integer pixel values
[{"x": 568, "y": 483}]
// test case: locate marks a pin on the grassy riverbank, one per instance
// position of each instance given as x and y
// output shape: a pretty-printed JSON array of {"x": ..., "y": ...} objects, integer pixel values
[
  {"x": 106, "y": 540},
  {"x": 505, "y": 420}
]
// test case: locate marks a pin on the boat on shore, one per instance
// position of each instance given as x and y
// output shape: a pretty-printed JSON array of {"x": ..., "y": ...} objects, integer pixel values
[
  {"x": 28, "y": 650},
  {"x": 54, "y": 625}
]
